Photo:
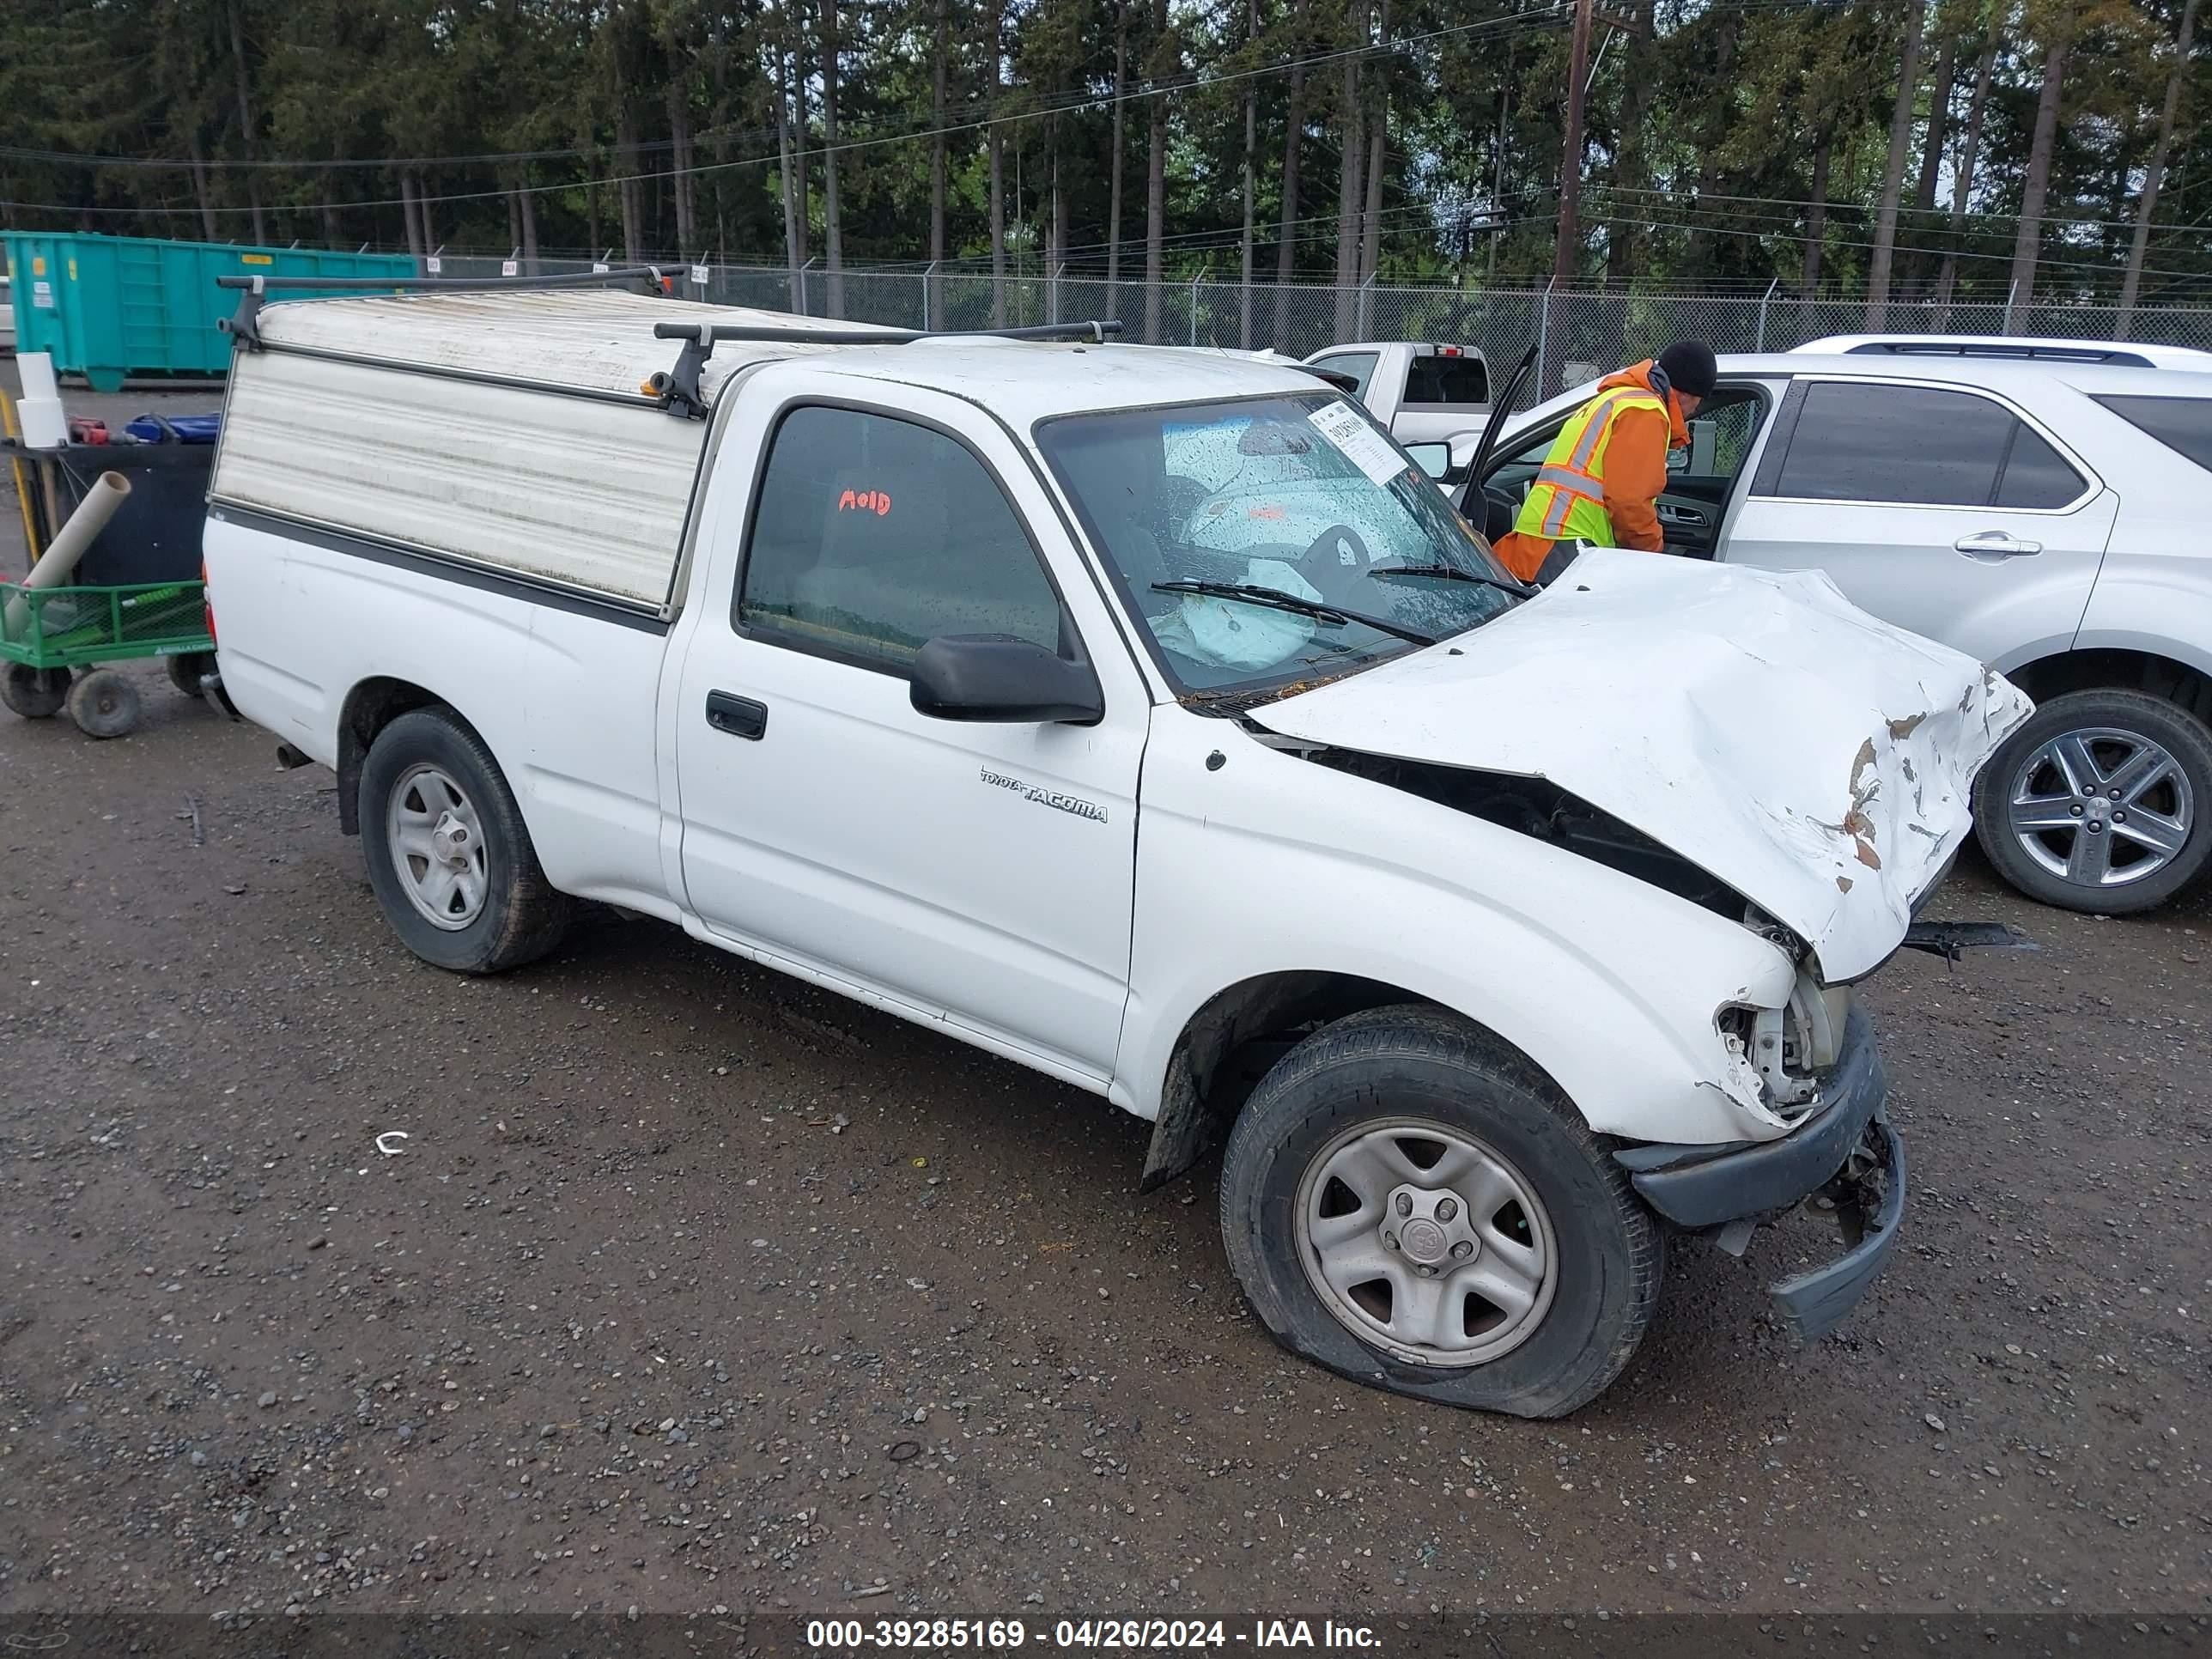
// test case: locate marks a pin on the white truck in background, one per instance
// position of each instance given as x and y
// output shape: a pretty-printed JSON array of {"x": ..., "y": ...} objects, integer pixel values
[
  {"x": 1424, "y": 392},
  {"x": 1142, "y": 716}
]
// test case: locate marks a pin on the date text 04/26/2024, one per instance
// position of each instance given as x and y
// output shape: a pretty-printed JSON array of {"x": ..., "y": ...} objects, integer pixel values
[{"x": 839, "y": 1636}]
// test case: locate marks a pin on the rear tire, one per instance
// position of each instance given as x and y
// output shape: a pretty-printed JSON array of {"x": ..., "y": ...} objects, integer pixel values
[
  {"x": 36, "y": 694},
  {"x": 449, "y": 856},
  {"x": 105, "y": 704},
  {"x": 2121, "y": 783},
  {"x": 1537, "y": 1207},
  {"x": 185, "y": 670}
]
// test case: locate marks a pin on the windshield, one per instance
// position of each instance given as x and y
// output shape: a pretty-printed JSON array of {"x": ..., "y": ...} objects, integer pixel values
[{"x": 1301, "y": 497}]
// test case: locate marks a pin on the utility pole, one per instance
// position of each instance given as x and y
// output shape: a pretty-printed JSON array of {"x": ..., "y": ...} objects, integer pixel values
[
  {"x": 1571, "y": 193},
  {"x": 1570, "y": 155}
]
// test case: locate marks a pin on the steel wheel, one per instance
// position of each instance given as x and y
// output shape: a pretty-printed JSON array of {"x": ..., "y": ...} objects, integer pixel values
[
  {"x": 1423, "y": 1241},
  {"x": 437, "y": 846},
  {"x": 2100, "y": 807}
]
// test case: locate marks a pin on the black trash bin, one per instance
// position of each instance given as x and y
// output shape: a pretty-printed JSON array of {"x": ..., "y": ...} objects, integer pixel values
[{"x": 154, "y": 536}]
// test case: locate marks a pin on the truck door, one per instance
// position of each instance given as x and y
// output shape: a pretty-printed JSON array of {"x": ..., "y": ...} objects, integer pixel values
[{"x": 979, "y": 873}]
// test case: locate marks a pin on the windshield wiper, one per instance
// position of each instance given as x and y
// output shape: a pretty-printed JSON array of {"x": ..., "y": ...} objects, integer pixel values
[
  {"x": 1276, "y": 598},
  {"x": 1452, "y": 573}
]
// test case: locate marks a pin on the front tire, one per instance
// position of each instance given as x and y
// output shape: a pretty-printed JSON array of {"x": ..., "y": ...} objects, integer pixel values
[
  {"x": 449, "y": 856},
  {"x": 1412, "y": 1204},
  {"x": 2101, "y": 802}
]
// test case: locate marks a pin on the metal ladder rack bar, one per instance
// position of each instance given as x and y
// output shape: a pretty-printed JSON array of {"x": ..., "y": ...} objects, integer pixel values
[
  {"x": 1095, "y": 333},
  {"x": 678, "y": 388},
  {"x": 245, "y": 326}
]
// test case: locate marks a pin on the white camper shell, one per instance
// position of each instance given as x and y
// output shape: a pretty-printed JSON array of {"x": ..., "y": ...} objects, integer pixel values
[{"x": 425, "y": 421}]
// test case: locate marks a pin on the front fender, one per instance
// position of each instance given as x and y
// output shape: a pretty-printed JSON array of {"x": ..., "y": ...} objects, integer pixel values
[{"x": 1270, "y": 864}]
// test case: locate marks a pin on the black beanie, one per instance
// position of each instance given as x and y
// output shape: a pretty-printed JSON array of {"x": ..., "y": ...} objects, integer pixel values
[{"x": 1689, "y": 367}]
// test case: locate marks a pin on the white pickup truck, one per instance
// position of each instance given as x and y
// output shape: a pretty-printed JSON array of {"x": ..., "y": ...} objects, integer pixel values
[
  {"x": 1142, "y": 716},
  {"x": 1422, "y": 391}
]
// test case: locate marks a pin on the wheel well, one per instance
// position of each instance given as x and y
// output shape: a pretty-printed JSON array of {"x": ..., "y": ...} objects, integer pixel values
[
  {"x": 369, "y": 708},
  {"x": 2117, "y": 670},
  {"x": 1230, "y": 1043}
]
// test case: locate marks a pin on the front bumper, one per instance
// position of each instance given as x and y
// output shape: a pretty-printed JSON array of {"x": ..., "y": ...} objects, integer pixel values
[{"x": 1846, "y": 1151}]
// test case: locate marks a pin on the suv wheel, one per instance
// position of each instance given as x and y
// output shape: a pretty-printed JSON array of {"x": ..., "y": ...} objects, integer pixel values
[
  {"x": 2099, "y": 802},
  {"x": 449, "y": 856},
  {"x": 1412, "y": 1205}
]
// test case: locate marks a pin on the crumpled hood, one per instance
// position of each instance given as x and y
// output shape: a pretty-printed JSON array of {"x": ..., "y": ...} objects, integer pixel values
[{"x": 1818, "y": 761}]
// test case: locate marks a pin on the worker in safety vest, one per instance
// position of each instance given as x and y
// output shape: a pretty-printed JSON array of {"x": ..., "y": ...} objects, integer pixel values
[{"x": 1602, "y": 480}]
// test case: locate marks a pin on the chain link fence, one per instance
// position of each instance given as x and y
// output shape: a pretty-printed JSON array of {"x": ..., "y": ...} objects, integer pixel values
[{"x": 1580, "y": 334}]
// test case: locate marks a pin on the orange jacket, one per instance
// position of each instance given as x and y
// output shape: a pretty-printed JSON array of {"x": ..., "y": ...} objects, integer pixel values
[
  {"x": 1635, "y": 474},
  {"x": 1636, "y": 462}
]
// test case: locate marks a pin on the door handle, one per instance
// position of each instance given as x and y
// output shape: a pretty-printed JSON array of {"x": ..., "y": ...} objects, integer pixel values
[
  {"x": 741, "y": 717},
  {"x": 1995, "y": 545},
  {"x": 1670, "y": 513}
]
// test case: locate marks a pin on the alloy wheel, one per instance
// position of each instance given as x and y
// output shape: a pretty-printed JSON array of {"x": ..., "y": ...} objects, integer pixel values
[{"x": 2100, "y": 807}]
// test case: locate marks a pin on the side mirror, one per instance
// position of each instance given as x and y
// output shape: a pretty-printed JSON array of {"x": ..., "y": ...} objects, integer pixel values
[
  {"x": 997, "y": 677},
  {"x": 1434, "y": 459},
  {"x": 1678, "y": 460}
]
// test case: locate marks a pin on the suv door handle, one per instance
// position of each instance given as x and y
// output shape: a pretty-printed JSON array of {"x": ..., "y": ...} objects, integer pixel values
[
  {"x": 741, "y": 717},
  {"x": 1995, "y": 545},
  {"x": 1670, "y": 513}
]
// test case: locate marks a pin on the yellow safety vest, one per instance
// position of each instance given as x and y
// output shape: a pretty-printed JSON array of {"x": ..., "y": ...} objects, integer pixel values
[{"x": 1566, "y": 502}]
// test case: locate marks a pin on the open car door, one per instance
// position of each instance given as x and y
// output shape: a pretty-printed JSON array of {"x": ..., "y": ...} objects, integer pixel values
[{"x": 1473, "y": 504}]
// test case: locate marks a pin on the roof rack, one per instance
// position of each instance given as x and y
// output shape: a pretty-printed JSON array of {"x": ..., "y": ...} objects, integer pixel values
[
  {"x": 2011, "y": 350},
  {"x": 678, "y": 388},
  {"x": 245, "y": 327}
]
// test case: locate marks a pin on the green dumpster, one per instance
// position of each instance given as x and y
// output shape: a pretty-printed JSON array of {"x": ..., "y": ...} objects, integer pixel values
[{"x": 107, "y": 307}]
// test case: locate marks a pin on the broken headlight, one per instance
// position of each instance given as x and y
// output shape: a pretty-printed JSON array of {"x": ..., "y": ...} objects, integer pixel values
[{"x": 1790, "y": 1046}]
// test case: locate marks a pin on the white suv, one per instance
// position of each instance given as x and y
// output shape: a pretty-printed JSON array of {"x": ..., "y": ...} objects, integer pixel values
[{"x": 2047, "y": 516}]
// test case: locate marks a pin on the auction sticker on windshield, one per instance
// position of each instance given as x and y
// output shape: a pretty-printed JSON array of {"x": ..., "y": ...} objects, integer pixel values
[{"x": 1366, "y": 449}]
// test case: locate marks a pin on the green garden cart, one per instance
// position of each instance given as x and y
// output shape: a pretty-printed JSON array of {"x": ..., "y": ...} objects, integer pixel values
[{"x": 56, "y": 646}]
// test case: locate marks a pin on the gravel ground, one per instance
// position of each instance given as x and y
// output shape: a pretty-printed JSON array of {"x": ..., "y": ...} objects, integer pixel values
[{"x": 693, "y": 1291}]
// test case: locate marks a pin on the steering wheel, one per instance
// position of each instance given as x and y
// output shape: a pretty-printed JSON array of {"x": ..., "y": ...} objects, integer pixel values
[{"x": 1341, "y": 576}]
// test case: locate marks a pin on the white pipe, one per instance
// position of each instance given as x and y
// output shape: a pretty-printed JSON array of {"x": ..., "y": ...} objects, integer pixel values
[{"x": 59, "y": 562}]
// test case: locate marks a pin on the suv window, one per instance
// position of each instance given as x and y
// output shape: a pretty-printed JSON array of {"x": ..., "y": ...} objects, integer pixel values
[
  {"x": 1863, "y": 441},
  {"x": 1720, "y": 435},
  {"x": 1451, "y": 380},
  {"x": 2036, "y": 474},
  {"x": 1359, "y": 365},
  {"x": 873, "y": 535},
  {"x": 2181, "y": 424}
]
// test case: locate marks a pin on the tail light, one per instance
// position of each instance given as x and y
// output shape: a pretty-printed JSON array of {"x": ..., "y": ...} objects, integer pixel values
[{"x": 207, "y": 606}]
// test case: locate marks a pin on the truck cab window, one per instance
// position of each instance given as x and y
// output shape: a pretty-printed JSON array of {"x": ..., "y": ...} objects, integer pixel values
[
  {"x": 874, "y": 535},
  {"x": 1359, "y": 365},
  {"x": 1452, "y": 381}
]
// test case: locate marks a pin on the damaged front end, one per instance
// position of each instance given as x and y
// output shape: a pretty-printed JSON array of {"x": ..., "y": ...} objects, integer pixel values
[
  {"x": 1754, "y": 745},
  {"x": 1842, "y": 1154},
  {"x": 1810, "y": 1064},
  {"x": 1772, "y": 1055},
  {"x": 1740, "y": 737}
]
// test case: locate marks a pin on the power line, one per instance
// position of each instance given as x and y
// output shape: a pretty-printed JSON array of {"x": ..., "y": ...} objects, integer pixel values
[
  {"x": 2049, "y": 217},
  {"x": 1775, "y": 229}
]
